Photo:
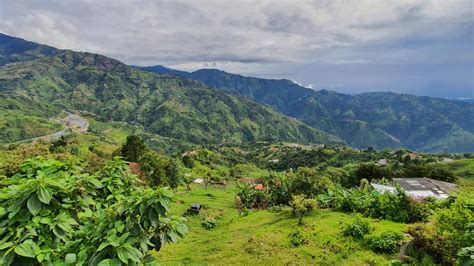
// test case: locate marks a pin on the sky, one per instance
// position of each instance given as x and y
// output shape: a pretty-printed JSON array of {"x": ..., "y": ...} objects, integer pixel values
[{"x": 417, "y": 47}]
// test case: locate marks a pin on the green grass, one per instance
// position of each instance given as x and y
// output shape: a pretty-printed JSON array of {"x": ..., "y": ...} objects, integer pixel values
[
  {"x": 262, "y": 237},
  {"x": 465, "y": 170}
]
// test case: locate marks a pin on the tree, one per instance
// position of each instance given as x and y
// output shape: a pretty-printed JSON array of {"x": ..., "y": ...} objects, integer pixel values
[
  {"x": 370, "y": 171},
  {"x": 306, "y": 181},
  {"x": 301, "y": 205},
  {"x": 133, "y": 148},
  {"x": 188, "y": 161},
  {"x": 160, "y": 170}
]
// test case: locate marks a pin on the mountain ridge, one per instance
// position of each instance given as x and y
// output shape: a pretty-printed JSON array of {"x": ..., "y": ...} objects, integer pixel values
[
  {"x": 365, "y": 119},
  {"x": 54, "y": 80}
]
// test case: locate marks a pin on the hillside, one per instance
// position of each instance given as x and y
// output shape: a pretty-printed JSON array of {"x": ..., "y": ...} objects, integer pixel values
[
  {"x": 382, "y": 119},
  {"x": 40, "y": 82}
]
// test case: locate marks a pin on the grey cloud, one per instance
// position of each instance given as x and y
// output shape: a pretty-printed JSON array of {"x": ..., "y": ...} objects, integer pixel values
[{"x": 268, "y": 38}]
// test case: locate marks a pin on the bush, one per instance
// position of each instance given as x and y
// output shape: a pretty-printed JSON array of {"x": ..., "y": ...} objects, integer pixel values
[
  {"x": 397, "y": 207},
  {"x": 56, "y": 213},
  {"x": 248, "y": 197},
  {"x": 358, "y": 228},
  {"x": 449, "y": 236},
  {"x": 209, "y": 224},
  {"x": 298, "y": 237},
  {"x": 386, "y": 242}
]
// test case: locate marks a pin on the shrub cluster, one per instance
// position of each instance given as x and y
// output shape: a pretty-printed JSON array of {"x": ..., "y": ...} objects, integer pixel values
[
  {"x": 450, "y": 237},
  {"x": 298, "y": 238},
  {"x": 397, "y": 207},
  {"x": 358, "y": 228},
  {"x": 52, "y": 213},
  {"x": 386, "y": 242}
]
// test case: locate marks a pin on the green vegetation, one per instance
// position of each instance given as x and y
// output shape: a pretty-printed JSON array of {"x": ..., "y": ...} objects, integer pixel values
[
  {"x": 54, "y": 213},
  {"x": 380, "y": 119},
  {"x": 265, "y": 237},
  {"x": 103, "y": 197},
  {"x": 114, "y": 92},
  {"x": 243, "y": 224}
]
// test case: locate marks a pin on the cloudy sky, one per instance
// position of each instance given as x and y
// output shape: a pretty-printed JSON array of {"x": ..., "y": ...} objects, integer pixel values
[{"x": 418, "y": 47}]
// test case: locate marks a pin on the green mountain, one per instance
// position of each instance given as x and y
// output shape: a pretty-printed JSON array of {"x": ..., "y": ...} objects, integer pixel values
[
  {"x": 381, "y": 119},
  {"x": 38, "y": 82}
]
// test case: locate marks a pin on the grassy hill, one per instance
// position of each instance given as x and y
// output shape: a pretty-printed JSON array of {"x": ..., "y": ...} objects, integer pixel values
[
  {"x": 262, "y": 237},
  {"x": 381, "y": 120},
  {"x": 41, "y": 83}
]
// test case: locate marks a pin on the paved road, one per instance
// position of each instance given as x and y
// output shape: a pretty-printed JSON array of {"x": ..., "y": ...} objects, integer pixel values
[{"x": 73, "y": 123}]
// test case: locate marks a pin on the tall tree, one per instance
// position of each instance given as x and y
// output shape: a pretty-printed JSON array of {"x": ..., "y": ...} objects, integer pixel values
[{"x": 133, "y": 148}]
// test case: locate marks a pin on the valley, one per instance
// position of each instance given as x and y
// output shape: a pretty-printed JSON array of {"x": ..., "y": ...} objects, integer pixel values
[{"x": 101, "y": 161}]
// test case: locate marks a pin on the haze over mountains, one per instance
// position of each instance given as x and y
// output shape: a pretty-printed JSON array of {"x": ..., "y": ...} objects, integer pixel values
[{"x": 210, "y": 106}]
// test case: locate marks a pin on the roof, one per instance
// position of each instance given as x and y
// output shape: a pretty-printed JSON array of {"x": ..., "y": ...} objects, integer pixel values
[
  {"x": 383, "y": 188},
  {"x": 259, "y": 187},
  {"x": 424, "y": 187},
  {"x": 249, "y": 180}
]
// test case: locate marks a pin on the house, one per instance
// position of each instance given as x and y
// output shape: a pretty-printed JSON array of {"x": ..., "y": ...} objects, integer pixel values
[
  {"x": 259, "y": 187},
  {"x": 419, "y": 188}
]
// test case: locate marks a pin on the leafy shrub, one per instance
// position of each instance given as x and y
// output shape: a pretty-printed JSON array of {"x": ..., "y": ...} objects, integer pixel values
[
  {"x": 358, "y": 228},
  {"x": 52, "y": 213},
  {"x": 466, "y": 256},
  {"x": 279, "y": 188},
  {"x": 397, "y": 207},
  {"x": 275, "y": 208},
  {"x": 209, "y": 224},
  {"x": 386, "y": 242},
  {"x": 298, "y": 237},
  {"x": 451, "y": 232},
  {"x": 248, "y": 197}
]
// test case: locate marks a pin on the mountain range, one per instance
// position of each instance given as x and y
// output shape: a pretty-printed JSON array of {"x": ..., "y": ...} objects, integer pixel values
[
  {"x": 378, "y": 119},
  {"x": 39, "y": 82}
]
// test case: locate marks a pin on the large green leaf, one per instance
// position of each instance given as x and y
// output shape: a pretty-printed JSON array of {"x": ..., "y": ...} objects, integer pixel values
[
  {"x": 109, "y": 262},
  {"x": 6, "y": 245},
  {"x": 70, "y": 258},
  {"x": 26, "y": 249},
  {"x": 34, "y": 204},
  {"x": 44, "y": 195},
  {"x": 153, "y": 216},
  {"x": 122, "y": 254}
]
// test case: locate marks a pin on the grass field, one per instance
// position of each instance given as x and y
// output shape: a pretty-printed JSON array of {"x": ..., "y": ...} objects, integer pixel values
[{"x": 262, "y": 237}]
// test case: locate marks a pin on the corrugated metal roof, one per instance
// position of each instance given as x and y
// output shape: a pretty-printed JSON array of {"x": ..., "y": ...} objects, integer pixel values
[{"x": 418, "y": 187}]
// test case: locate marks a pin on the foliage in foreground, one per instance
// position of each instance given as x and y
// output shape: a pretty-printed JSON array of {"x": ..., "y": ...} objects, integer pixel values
[
  {"x": 449, "y": 237},
  {"x": 53, "y": 213}
]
